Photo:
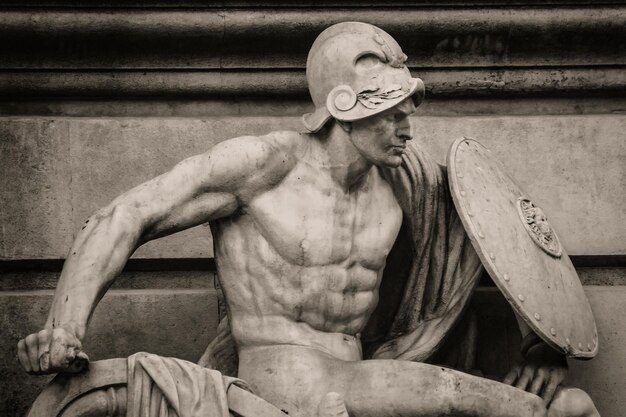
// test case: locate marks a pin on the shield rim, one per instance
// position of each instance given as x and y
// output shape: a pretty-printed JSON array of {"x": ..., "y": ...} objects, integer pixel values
[{"x": 570, "y": 351}]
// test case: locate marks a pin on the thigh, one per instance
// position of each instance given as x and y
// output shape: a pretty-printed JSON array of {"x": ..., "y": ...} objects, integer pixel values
[
  {"x": 401, "y": 388},
  {"x": 292, "y": 378},
  {"x": 295, "y": 379}
]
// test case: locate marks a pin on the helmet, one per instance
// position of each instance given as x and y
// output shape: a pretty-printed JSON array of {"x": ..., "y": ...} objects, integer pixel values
[{"x": 355, "y": 70}]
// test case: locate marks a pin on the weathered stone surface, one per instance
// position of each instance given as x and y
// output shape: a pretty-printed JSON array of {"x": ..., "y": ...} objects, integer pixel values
[
  {"x": 602, "y": 276},
  {"x": 35, "y": 188},
  {"x": 37, "y": 280},
  {"x": 217, "y": 5},
  {"x": 570, "y": 165},
  {"x": 130, "y": 280},
  {"x": 168, "y": 322},
  {"x": 604, "y": 377},
  {"x": 164, "y": 107},
  {"x": 216, "y": 50},
  {"x": 281, "y": 82},
  {"x": 289, "y": 106},
  {"x": 260, "y": 38}
]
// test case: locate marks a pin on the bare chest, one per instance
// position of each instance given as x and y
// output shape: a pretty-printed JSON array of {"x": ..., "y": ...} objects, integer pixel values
[{"x": 309, "y": 221}]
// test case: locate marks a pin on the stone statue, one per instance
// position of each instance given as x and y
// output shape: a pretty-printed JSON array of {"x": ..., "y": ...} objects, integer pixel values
[{"x": 308, "y": 229}]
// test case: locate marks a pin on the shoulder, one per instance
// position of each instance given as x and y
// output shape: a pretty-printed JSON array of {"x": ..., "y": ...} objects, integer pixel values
[
  {"x": 254, "y": 163},
  {"x": 284, "y": 144},
  {"x": 258, "y": 149}
]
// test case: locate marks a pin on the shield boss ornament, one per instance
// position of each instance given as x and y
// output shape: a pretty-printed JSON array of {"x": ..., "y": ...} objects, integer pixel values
[{"x": 520, "y": 250}]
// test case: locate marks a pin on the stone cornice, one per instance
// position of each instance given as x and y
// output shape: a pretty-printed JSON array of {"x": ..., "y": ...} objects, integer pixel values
[
  {"x": 521, "y": 82},
  {"x": 208, "y": 4},
  {"x": 201, "y": 52}
]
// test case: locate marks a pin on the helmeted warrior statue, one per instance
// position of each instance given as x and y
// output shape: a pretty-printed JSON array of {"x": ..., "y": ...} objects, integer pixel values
[{"x": 343, "y": 266}]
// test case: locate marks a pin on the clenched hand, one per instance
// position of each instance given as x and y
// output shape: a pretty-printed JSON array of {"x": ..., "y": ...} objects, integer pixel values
[{"x": 51, "y": 351}]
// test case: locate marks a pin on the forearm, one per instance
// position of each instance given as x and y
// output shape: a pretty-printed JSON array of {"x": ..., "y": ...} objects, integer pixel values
[
  {"x": 529, "y": 337},
  {"x": 196, "y": 190},
  {"x": 524, "y": 328},
  {"x": 98, "y": 255}
]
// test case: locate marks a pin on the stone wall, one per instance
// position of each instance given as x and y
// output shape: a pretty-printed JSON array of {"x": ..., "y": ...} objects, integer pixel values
[{"x": 97, "y": 97}]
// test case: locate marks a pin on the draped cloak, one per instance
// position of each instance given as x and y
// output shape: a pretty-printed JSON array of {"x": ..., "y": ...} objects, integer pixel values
[
  {"x": 429, "y": 276},
  {"x": 172, "y": 387}
]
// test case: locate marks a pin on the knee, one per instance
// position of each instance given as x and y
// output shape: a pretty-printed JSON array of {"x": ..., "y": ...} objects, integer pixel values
[
  {"x": 332, "y": 405},
  {"x": 572, "y": 402}
]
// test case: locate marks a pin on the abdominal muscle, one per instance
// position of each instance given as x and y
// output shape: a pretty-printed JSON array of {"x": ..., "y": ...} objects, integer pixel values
[
  {"x": 273, "y": 302},
  {"x": 301, "y": 264},
  {"x": 282, "y": 312}
]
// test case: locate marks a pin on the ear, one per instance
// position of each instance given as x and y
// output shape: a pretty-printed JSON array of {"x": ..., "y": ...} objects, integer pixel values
[{"x": 346, "y": 126}]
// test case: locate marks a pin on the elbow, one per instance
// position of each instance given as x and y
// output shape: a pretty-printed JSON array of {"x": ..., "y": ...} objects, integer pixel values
[
  {"x": 106, "y": 242},
  {"x": 123, "y": 220}
]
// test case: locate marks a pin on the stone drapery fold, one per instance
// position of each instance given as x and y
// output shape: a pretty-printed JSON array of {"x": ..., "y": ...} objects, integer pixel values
[
  {"x": 431, "y": 271},
  {"x": 170, "y": 387}
]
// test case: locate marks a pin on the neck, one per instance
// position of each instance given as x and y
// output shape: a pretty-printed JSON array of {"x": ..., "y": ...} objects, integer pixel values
[{"x": 346, "y": 164}]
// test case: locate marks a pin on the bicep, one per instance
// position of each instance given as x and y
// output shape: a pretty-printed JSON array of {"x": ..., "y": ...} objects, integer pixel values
[
  {"x": 178, "y": 199},
  {"x": 201, "y": 188}
]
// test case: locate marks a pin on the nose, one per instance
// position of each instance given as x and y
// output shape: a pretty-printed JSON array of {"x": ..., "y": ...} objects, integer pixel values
[
  {"x": 404, "y": 130},
  {"x": 405, "y": 135}
]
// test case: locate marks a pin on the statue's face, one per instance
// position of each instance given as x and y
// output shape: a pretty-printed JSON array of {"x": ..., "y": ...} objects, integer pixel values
[{"x": 381, "y": 138}]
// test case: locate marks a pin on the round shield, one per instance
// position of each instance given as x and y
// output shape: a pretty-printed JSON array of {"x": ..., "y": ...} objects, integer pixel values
[{"x": 521, "y": 251}]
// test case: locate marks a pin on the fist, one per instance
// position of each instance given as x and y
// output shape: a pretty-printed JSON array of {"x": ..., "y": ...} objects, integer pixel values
[{"x": 51, "y": 351}]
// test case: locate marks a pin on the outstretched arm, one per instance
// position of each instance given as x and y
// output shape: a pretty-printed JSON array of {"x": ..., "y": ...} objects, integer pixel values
[{"x": 199, "y": 189}]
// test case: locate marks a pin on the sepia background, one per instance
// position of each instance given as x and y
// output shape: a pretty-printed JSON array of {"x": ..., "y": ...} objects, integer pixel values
[{"x": 96, "y": 97}]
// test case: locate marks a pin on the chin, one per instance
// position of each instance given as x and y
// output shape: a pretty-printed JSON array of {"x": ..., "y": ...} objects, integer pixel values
[{"x": 393, "y": 161}]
